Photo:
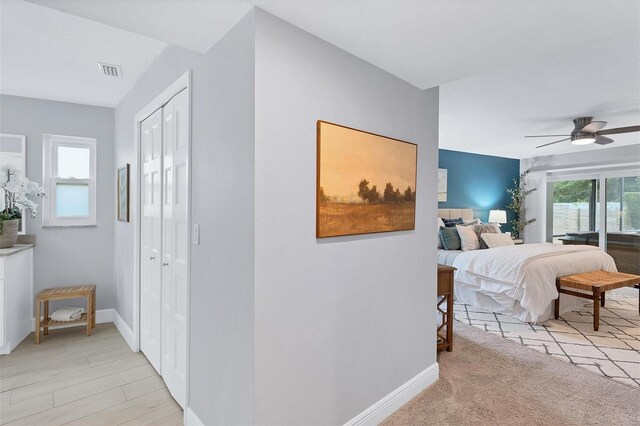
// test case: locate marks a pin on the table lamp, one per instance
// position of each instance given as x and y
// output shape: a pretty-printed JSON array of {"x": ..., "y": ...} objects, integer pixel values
[{"x": 497, "y": 216}]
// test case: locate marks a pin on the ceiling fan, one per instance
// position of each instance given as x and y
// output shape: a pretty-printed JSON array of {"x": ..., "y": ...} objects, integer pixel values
[{"x": 587, "y": 131}]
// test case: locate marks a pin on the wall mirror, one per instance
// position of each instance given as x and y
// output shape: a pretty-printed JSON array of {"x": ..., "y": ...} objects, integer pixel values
[{"x": 13, "y": 156}]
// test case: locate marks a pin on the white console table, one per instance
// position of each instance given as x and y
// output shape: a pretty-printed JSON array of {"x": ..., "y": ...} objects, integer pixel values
[{"x": 16, "y": 295}]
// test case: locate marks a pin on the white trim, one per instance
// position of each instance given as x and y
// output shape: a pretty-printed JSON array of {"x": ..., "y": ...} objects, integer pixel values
[
  {"x": 182, "y": 83},
  {"x": 396, "y": 399},
  {"x": 594, "y": 174},
  {"x": 23, "y": 151},
  {"x": 124, "y": 330},
  {"x": 102, "y": 316},
  {"x": 191, "y": 419}
]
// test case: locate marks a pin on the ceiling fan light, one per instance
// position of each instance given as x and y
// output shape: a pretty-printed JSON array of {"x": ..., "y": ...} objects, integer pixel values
[{"x": 583, "y": 140}]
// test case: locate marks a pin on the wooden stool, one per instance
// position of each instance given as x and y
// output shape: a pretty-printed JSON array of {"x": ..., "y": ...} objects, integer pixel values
[
  {"x": 61, "y": 293},
  {"x": 597, "y": 282}
]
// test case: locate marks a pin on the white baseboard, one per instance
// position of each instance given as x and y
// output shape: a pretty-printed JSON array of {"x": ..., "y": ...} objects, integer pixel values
[
  {"x": 124, "y": 329},
  {"x": 190, "y": 418},
  {"x": 102, "y": 316},
  {"x": 396, "y": 399}
]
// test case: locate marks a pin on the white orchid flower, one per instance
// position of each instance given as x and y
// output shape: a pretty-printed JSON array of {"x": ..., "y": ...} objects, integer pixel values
[
  {"x": 12, "y": 186},
  {"x": 16, "y": 191}
]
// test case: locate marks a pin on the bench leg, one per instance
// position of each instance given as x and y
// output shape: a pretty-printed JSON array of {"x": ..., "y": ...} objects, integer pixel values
[
  {"x": 596, "y": 309},
  {"x": 37, "y": 322},
  {"x": 602, "y": 299},
  {"x": 46, "y": 317},
  {"x": 93, "y": 309},
  {"x": 557, "y": 302},
  {"x": 89, "y": 313}
]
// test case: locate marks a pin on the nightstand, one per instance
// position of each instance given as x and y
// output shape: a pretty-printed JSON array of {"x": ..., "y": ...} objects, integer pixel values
[{"x": 445, "y": 290}]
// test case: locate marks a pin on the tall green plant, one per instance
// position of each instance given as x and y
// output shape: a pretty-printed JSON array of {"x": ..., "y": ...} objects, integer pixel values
[{"x": 518, "y": 194}]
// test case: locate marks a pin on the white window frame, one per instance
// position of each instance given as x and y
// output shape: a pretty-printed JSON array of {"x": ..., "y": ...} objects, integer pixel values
[{"x": 51, "y": 143}]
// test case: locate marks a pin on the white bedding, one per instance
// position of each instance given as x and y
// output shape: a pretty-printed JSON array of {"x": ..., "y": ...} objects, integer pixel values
[{"x": 520, "y": 280}]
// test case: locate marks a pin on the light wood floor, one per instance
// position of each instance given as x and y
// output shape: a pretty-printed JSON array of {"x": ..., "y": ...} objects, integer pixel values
[{"x": 70, "y": 378}]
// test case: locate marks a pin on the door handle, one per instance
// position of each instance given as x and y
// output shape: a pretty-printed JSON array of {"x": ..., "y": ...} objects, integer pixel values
[
  {"x": 165, "y": 264},
  {"x": 152, "y": 258}
]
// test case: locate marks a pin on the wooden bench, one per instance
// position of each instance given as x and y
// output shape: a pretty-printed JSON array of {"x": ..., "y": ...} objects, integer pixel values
[
  {"x": 598, "y": 283},
  {"x": 61, "y": 293}
]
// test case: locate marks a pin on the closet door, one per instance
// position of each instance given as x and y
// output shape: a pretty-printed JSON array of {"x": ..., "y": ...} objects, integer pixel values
[
  {"x": 175, "y": 244},
  {"x": 150, "y": 238}
]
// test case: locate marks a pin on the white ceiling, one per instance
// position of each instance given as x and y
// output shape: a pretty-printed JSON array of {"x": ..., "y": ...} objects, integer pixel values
[
  {"x": 48, "y": 54},
  {"x": 491, "y": 113},
  {"x": 479, "y": 47},
  {"x": 192, "y": 24},
  {"x": 426, "y": 43}
]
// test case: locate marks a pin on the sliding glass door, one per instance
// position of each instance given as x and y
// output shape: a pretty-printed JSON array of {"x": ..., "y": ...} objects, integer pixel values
[
  {"x": 579, "y": 212},
  {"x": 576, "y": 212},
  {"x": 623, "y": 222}
]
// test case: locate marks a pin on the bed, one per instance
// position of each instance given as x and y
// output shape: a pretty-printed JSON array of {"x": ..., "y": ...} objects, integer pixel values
[{"x": 519, "y": 281}]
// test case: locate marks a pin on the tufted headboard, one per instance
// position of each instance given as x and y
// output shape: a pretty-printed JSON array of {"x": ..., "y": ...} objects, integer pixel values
[{"x": 465, "y": 214}]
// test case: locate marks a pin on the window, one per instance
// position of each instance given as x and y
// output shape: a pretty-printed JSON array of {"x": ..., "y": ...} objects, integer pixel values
[
  {"x": 70, "y": 181},
  {"x": 575, "y": 208}
]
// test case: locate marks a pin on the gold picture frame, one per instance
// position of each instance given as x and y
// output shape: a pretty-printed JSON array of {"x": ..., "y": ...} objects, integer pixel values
[{"x": 365, "y": 182}]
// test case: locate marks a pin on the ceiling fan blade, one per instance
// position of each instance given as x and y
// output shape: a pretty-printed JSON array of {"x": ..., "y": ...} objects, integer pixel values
[
  {"x": 551, "y": 143},
  {"x": 546, "y": 136},
  {"x": 628, "y": 129},
  {"x": 594, "y": 126},
  {"x": 603, "y": 140}
]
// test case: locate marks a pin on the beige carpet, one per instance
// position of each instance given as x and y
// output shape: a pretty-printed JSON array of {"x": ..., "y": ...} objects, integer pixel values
[
  {"x": 613, "y": 351},
  {"x": 488, "y": 380}
]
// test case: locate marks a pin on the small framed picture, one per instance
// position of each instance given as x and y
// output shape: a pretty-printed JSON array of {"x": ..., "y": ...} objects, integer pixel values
[{"x": 123, "y": 193}]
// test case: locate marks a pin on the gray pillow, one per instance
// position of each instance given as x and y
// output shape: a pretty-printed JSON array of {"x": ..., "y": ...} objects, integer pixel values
[
  {"x": 450, "y": 238},
  {"x": 451, "y": 223},
  {"x": 485, "y": 228}
]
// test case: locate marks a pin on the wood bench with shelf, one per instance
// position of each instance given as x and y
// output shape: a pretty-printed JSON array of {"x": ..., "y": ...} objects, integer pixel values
[{"x": 87, "y": 291}]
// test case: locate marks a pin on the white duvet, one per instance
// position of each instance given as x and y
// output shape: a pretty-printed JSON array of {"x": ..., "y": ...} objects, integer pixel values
[{"x": 526, "y": 274}]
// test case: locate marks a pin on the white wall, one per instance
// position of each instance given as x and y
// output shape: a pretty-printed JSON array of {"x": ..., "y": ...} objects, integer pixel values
[
  {"x": 340, "y": 322},
  {"x": 221, "y": 347},
  {"x": 69, "y": 256}
]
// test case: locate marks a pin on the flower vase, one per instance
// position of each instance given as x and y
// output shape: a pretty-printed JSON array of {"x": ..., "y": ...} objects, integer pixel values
[{"x": 9, "y": 233}]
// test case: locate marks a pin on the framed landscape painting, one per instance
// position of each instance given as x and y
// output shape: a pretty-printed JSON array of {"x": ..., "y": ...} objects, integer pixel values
[
  {"x": 366, "y": 183},
  {"x": 123, "y": 193}
]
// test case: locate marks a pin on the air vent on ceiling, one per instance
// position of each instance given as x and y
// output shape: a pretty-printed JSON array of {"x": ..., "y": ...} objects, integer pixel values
[{"x": 110, "y": 70}]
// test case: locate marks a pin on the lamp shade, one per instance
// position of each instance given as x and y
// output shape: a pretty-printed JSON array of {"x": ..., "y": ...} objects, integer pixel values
[{"x": 497, "y": 216}]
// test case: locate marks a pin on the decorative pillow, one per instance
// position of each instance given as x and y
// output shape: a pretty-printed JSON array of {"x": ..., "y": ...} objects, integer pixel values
[
  {"x": 468, "y": 238},
  {"x": 497, "y": 240},
  {"x": 451, "y": 223},
  {"x": 440, "y": 225},
  {"x": 450, "y": 238},
  {"x": 473, "y": 222},
  {"x": 486, "y": 228}
]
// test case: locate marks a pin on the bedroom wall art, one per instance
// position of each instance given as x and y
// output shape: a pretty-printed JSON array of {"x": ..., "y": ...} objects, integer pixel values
[
  {"x": 123, "y": 193},
  {"x": 366, "y": 183},
  {"x": 442, "y": 185}
]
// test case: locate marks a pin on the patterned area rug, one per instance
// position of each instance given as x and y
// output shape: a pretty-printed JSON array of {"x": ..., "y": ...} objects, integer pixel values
[{"x": 613, "y": 351}]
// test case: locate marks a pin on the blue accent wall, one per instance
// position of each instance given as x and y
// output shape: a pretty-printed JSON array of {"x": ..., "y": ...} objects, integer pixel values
[{"x": 478, "y": 182}]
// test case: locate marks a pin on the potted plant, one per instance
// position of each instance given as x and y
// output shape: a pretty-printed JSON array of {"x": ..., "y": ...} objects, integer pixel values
[
  {"x": 518, "y": 194},
  {"x": 16, "y": 191}
]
